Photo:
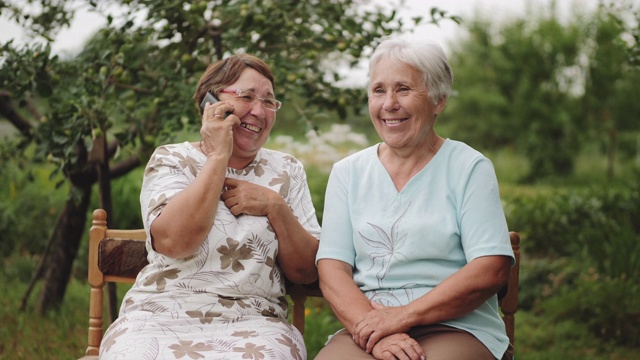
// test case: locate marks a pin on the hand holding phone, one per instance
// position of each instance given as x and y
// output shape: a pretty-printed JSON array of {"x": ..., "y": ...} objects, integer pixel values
[{"x": 209, "y": 98}]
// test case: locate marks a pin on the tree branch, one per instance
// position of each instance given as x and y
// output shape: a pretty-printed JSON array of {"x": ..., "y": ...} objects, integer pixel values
[
  {"x": 9, "y": 112},
  {"x": 124, "y": 167}
]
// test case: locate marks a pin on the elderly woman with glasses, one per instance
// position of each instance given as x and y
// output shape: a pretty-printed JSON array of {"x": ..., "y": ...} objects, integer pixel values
[
  {"x": 227, "y": 222},
  {"x": 415, "y": 245}
]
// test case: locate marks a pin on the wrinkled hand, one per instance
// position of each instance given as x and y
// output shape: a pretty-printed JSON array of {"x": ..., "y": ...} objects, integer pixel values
[
  {"x": 216, "y": 131},
  {"x": 376, "y": 324},
  {"x": 243, "y": 197},
  {"x": 398, "y": 346}
]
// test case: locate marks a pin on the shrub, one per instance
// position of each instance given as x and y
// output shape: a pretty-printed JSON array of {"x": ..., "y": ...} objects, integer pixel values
[
  {"x": 28, "y": 209},
  {"x": 608, "y": 307},
  {"x": 543, "y": 278},
  {"x": 600, "y": 223}
]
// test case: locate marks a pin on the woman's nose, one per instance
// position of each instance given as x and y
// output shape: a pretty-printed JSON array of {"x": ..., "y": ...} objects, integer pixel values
[
  {"x": 258, "y": 109},
  {"x": 390, "y": 101}
]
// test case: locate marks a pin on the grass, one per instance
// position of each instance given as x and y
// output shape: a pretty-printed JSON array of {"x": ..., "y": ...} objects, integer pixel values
[{"x": 61, "y": 334}]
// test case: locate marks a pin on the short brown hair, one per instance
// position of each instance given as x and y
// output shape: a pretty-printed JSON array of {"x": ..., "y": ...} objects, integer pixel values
[{"x": 227, "y": 71}]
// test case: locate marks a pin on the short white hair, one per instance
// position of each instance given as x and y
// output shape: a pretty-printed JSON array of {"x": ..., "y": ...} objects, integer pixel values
[{"x": 425, "y": 56}]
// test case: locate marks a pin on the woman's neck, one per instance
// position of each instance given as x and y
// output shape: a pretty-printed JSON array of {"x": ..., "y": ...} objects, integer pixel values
[{"x": 402, "y": 164}]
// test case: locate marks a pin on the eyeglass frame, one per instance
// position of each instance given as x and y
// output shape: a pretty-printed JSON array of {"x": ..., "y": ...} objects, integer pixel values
[{"x": 238, "y": 92}]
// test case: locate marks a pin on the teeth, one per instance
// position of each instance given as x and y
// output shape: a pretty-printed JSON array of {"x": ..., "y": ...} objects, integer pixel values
[
  {"x": 250, "y": 127},
  {"x": 395, "y": 121}
]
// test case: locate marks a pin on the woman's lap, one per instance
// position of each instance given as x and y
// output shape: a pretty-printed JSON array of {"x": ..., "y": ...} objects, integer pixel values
[
  {"x": 440, "y": 342},
  {"x": 138, "y": 337}
]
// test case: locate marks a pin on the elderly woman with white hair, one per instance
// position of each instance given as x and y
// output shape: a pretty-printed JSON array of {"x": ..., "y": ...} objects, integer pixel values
[{"x": 414, "y": 243}]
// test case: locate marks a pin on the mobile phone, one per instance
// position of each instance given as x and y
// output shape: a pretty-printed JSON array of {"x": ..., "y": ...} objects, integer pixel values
[{"x": 209, "y": 98}]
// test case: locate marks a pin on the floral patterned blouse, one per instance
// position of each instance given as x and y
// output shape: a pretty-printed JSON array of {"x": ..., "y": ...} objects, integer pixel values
[{"x": 226, "y": 301}]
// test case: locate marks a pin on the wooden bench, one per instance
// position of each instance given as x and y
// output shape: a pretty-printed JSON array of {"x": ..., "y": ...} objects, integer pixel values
[{"x": 117, "y": 255}]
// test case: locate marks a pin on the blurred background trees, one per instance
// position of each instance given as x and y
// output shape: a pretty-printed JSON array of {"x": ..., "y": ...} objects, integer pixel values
[
  {"x": 551, "y": 99},
  {"x": 100, "y": 114},
  {"x": 549, "y": 87}
]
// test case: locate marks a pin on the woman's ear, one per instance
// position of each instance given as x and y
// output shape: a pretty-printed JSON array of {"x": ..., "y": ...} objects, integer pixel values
[{"x": 441, "y": 103}]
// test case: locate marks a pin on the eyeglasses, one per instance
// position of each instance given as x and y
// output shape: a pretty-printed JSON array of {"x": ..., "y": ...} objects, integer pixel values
[{"x": 250, "y": 97}]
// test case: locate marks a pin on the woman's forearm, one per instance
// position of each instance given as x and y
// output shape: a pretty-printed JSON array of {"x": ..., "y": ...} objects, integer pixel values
[
  {"x": 460, "y": 293},
  {"x": 187, "y": 219},
  {"x": 297, "y": 248},
  {"x": 347, "y": 301}
]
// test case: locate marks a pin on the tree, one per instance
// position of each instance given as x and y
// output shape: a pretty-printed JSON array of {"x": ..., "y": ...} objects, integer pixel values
[
  {"x": 99, "y": 115},
  {"x": 548, "y": 87},
  {"x": 612, "y": 78},
  {"x": 515, "y": 88}
]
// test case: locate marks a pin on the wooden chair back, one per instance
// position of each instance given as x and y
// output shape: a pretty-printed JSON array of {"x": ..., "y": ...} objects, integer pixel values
[{"x": 117, "y": 255}]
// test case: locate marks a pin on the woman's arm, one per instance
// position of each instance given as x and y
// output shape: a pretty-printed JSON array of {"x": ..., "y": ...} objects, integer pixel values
[
  {"x": 456, "y": 296},
  {"x": 347, "y": 301},
  {"x": 187, "y": 218},
  {"x": 297, "y": 248}
]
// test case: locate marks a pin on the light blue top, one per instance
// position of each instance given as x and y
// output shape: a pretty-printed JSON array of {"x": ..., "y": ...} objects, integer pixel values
[{"x": 403, "y": 244}]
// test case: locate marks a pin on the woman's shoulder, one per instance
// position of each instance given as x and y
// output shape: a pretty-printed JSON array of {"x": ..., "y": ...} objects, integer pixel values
[
  {"x": 278, "y": 159},
  {"x": 360, "y": 157},
  {"x": 460, "y": 151},
  {"x": 183, "y": 147}
]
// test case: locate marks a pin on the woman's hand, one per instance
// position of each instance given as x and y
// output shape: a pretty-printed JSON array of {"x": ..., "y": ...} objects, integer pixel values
[
  {"x": 398, "y": 346},
  {"x": 243, "y": 197},
  {"x": 216, "y": 130},
  {"x": 378, "y": 323}
]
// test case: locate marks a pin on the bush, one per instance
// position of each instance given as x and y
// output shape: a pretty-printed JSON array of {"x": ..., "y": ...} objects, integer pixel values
[
  {"x": 28, "y": 209},
  {"x": 602, "y": 223},
  {"x": 608, "y": 307},
  {"x": 543, "y": 278}
]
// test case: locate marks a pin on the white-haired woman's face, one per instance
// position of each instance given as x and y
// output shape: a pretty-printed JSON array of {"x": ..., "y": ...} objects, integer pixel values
[{"x": 399, "y": 104}]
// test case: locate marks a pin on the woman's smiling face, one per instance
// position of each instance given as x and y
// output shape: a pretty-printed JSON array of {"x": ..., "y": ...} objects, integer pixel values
[
  {"x": 256, "y": 121},
  {"x": 399, "y": 104}
]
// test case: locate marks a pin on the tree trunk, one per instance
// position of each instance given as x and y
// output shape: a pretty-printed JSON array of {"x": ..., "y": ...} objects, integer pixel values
[
  {"x": 611, "y": 158},
  {"x": 74, "y": 216}
]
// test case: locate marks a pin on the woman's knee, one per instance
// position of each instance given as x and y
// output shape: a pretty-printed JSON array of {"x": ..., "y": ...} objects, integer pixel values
[{"x": 341, "y": 346}]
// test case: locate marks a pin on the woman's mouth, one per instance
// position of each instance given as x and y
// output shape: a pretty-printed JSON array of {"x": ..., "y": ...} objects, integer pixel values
[
  {"x": 250, "y": 127},
  {"x": 394, "y": 121}
]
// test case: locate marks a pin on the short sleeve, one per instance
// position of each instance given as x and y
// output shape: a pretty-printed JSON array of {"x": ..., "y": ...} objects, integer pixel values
[
  {"x": 483, "y": 227},
  {"x": 163, "y": 178},
  {"x": 299, "y": 201},
  {"x": 336, "y": 241}
]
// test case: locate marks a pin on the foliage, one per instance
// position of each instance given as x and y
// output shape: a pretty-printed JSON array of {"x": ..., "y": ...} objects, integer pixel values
[
  {"x": 542, "y": 86},
  {"x": 321, "y": 323},
  {"x": 607, "y": 306},
  {"x": 26, "y": 198},
  {"x": 544, "y": 338},
  {"x": 99, "y": 115},
  {"x": 611, "y": 79},
  {"x": 542, "y": 278},
  {"x": 135, "y": 78},
  {"x": 601, "y": 224}
]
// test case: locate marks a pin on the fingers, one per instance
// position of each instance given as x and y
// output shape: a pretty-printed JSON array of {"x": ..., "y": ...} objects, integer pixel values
[
  {"x": 372, "y": 341},
  {"x": 399, "y": 346},
  {"x": 376, "y": 305},
  {"x": 219, "y": 111},
  {"x": 231, "y": 183}
]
